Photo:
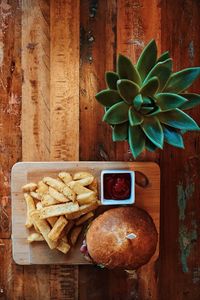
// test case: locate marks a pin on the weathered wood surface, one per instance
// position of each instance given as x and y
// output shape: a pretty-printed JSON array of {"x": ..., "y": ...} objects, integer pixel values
[{"x": 106, "y": 27}]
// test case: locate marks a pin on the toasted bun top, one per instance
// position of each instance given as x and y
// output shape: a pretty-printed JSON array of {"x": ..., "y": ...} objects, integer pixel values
[{"x": 107, "y": 243}]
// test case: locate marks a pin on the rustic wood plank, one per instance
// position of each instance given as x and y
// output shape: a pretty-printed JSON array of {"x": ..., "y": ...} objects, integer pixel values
[
  {"x": 180, "y": 193},
  {"x": 64, "y": 96},
  {"x": 35, "y": 89}
]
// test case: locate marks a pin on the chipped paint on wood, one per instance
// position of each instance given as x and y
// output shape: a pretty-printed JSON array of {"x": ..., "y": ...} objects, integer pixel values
[
  {"x": 184, "y": 194},
  {"x": 186, "y": 240}
]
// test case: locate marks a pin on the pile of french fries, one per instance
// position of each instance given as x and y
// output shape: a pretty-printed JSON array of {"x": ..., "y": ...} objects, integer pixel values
[{"x": 58, "y": 208}]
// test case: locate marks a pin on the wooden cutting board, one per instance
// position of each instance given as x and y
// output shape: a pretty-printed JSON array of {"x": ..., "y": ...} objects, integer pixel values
[{"x": 147, "y": 197}]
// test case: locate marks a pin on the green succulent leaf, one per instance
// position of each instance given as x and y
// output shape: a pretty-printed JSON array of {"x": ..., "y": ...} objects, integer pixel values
[
  {"x": 164, "y": 56},
  {"x": 173, "y": 137},
  {"x": 162, "y": 71},
  {"x": 178, "y": 119},
  {"x": 120, "y": 132},
  {"x": 181, "y": 80},
  {"x": 147, "y": 59},
  {"x": 147, "y": 101},
  {"x": 111, "y": 80},
  {"x": 150, "y": 87},
  {"x": 154, "y": 112},
  {"x": 117, "y": 114},
  {"x": 127, "y": 89},
  {"x": 153, "y": 130},
  {"x": 146, "y": 110},
  {"x": 193, "y": 100},
  {"x": 150, "y": 146},
  {"x": 135, "y": 118},
  {"x": 136, "y": 140},
  {"x": 108, "y": 97},
  {"x": 169, "y": 101},
  {"x": 127, "y": 70},
  {"x": 137, "y": 102}
]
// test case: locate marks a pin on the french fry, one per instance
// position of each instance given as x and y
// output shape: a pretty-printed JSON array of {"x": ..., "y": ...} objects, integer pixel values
[
  {"x": 36, "y": 195},
  {"x": 85, "y": 181},
  {"x": 94, "y": 186},
  {"x": 57, "y": 229},
  {"x": 63, "y": 246},
  {"x": 43, "y": 227},
  {"x": 52, "y": 220},
  {"x": 81, "y": 175},
  {"x": 83, "y": 209},
  {"x": 29, "y": 187},
  {"x": 74, "y": 234},
  {"x": 86, "y": 197},
  {"x": 48, "y": 200},
  {"x": 54, "y": 183},
  {"x": 69, "y": 226},
  {"x": 66, "y": 177},
  {"x": 57, "y": 195},
  {"x": 39, "y": 205},
  {"x": 84, "y": 218},
  {"x": 69, "y": 193},
  {"x": 30, "y": 207},
  {"x": 35, "y": 237},
  {"x": 78, "y": 188},
  {"x": 59, "y": 209},
  {"x": 42, "y": 188}
]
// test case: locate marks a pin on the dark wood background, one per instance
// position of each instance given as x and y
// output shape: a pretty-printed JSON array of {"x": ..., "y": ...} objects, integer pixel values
[{"x": 53, "y": 55}]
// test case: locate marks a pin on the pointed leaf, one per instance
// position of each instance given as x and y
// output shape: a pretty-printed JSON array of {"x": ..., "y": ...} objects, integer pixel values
[
  {"x": 153, "y": 130},
  {"x": 150, "y": 87},
  {"x": 136, "y": 140},
  {"x": 127, "y": 70},
  {"x": 181, "y": 80},
  {"x": 150, "y": 146},
  {"x": 111, "y": 80},
  {"x": 117, "y": 114},
  {"x": 193, "y": 100},
  {"x": 173, "y": 137},
  {"x": 155, "y": 111},
  {"x": 178, "y": 119},
  {"x": 120, "y": 132},
  {"x": 137, "y": 102},
  {"x": 169, "y": 101},
  {"x": 164, "y": 56},
  {"x": 147, "y": 59},
  {"x": 147, "y": 101},
  {"x": 162, "y": 71},
  {"x": 127, "y": 89},
  {"x": 108, "y": 97},
  {"x": 146, "y": 110},
  {"x": 135, "y": 118}
]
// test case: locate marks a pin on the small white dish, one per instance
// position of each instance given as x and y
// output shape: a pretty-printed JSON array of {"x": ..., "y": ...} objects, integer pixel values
[{"x": 131, "y": 197}]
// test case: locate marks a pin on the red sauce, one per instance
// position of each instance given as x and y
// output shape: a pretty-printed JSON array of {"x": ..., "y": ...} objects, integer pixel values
[{"x": 117, "y": 186}]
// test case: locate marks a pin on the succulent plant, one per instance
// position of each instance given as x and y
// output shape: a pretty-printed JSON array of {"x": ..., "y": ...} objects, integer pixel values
[{"x": 144, "y": 102}]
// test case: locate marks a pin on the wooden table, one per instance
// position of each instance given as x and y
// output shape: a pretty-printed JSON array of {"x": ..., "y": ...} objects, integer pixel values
[{"x": 53, "y": 55}]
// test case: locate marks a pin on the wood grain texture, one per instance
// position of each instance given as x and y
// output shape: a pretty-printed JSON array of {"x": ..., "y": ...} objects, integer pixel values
[
  {"x": 35, "y": 121},
  {"x": 64, "y": 116},
  {"x": 180, "y": 193}
]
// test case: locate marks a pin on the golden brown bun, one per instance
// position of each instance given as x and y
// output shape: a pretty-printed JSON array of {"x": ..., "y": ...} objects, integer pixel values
[{"x": 107, "y": 243}]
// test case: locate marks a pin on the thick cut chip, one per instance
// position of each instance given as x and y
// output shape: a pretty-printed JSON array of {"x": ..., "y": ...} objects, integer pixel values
[
  {"x": 86, "y": 198},
  {"x": 52, "y": 220},
  {"x": 74, "y": 234},
  {"x": 36, "y": 195},
  {"x": 83, "y": 209},
  {"x": 66, "y": 177},
  {"x": 94, "y": 186},
  {"x": 84, "y": 218},
  {"x": 29, "y": 187},
  {"x": 35, "y": 237},
  {"x": 69, "y": 193},
  {"x": 78, "y": 188},
  {"x": 69, "y": 226},
  {"x": 39, "y": 205},
  {"x": 57, "y": 195},
  {"x": 30, "y": 207},
  {"x": 43, "y": 227},
  {"x": 63, "y": 246},
  {"x": 54, "y": 183},
  {"x": 42, "y": 188},
  {"x": 59, "y": 209},
  {"x": 48, "y": 200},
  {"x": 57, "y": 229},
  {"x": 81, "y": 175},
  {"x": 85, "y": 181}
]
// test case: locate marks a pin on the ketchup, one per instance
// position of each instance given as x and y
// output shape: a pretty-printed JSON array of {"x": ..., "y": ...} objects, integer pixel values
[{"x": 117, "y": 186}]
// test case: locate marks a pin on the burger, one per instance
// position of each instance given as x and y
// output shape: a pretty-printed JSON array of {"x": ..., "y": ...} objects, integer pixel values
[{"x": 122, "y": 238}]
